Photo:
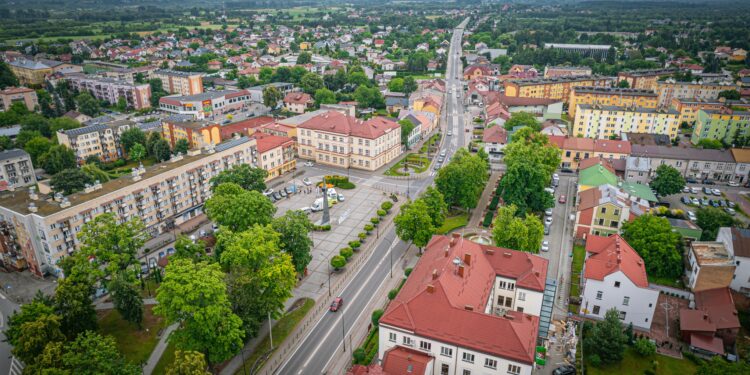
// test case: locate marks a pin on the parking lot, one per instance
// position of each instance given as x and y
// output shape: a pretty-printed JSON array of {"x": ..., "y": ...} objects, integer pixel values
[{"x": 698, "y": 197}]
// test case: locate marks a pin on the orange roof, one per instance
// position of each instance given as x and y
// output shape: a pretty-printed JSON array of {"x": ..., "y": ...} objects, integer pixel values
[
  {"x": 337, "y": 122},
  {"x": 404, "y": 361},
  {"x": 612, "y": 254},
  {"x": 242, "y": 126},
  {"x": 267, "y": 142},
  {"x": 590, "y": 162},
  {"x": 495, "y": 134},
  {"x": 298, "y": 98},
  {"x": 590, "y": 145}
]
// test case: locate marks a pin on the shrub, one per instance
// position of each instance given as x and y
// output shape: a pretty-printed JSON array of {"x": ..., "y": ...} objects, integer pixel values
[
  {"x": 340, "y": 182},
  {"x": 376, "y": 317},
  {"x": 358, "y": 355},
  {"x": 368, "y": 228},
  {"x": 381, "y": 213},
  {"x": 346, "y": 253},
  {"x": 488, "y": 219},
  {"x": 375, "y": 220},
  {"x": 645, "y": 347},
  {"x": 595, "y": 360},
  {"x": 386, "y": 205},
  {"x": 407, "y": 271},
  {"x": 322, "y": 228},
  {"x": 392, "y": 294},
  {"x": 493, "y": 204},
  {"x": 354, "y": 244},
  {"x": 337, "y": 262},
  {"x": 362, "y": 236}
]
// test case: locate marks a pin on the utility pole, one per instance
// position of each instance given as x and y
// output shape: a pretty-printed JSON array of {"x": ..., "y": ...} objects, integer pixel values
[
  {"x": 270, "y": 329},
  {"x": 343, "y": 332}
]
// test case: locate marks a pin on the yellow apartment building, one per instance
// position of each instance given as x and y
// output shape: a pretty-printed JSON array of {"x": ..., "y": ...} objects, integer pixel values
[
  {"x": 610, "y": 96},
  {"x": 557, "y": 88},
  {"x": 601, "y": 122}
]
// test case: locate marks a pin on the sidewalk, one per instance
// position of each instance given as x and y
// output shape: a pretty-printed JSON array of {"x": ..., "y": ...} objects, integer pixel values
[
  {"x": 110, "y": 305},
  {"x": 478, "y": 215},
  {"x": 153, "y": 360}
]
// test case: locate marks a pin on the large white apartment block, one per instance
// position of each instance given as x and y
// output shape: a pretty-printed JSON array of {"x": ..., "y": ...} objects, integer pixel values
[
  {"x": 614, "y": 276},
  {"x": 163, "y": 196}
]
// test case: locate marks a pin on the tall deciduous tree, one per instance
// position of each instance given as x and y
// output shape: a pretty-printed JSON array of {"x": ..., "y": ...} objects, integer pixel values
[
  {"x": 294, "y": 229},
  {"x": 436, "y": 206},
  {"x": 39, "y": 307},
  {"x": 239, "y": 209},
  {"x": 188, "y": 362},
  {"x": 58, "y": 158},
  {"x": 110, "y": 244},
  {"x": 71, "y": 180},
  {"x": 410, "y": 85},
  {"x": 36, "y": 147},
  {"x": 413, "y": 223},
  {"x": 137, "y": 152},
  {"x": 719, "y": 366},
  {"x": 194, "y": 295},
  {"x": 462, "y": 180},
  {"x": 73, "y": 304},
  {"x": 131, "y": 137},
  {"x": 92, "y": 353},
  {"x": 660, "y": 247},
  {"x": 127, "y": 299},
  {"x": 261, "y": 276},
  {"x": 396, "y": 85},
  {"x": 35, "y": 335},
  {"x": 324, "y": 96},
  {"x": 189, "y": 249},
  {"x": 710, "y": 219},
  {"x": 522, "y": 119},
  {"x": 87, "y": 104},
  {"x": 181, "y": 146},
  {"x": 606, "y": 339},
  {"x": 245, "y": 176},
  {"x": 667, "y": 180},
  {"x": 271, "y": 97},
  {"x": 513, "y": 232},
  {"x": 311, "y": 82}
]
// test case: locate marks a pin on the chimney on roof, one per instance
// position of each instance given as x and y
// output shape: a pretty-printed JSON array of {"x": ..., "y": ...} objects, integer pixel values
[
  {"x": 434, "y": 274},
  {"x": 469, "y": 308},
  {"x": 489, "y": 251},
  {"x": 507, "y": 254},
  {"x": 536, "y": 273},
  {"x": 430, "y": 288},
  {"x": 445, "y": 253},
  {"x": 705, "y": 315},
  {"x": 467, "y": 259},
  {"x": 461, "y": 271}
]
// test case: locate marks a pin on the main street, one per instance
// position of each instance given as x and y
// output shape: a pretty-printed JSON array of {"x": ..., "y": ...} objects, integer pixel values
[
  {"x": 329, "y": 337},
  {"x": 8, "y": 364}
]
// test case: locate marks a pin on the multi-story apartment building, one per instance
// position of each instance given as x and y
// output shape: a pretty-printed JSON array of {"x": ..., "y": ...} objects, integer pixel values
[
  {"x": 688, "y": 108},
  {"x": 344, "y": 141},
  {"x": 99, "y": 140},
  {"x": 597, "y": 121},
  {"x": 256, "y": 92},
  {"x": 724, "y": 124},
  {"x": 670, "y": 89},
  {"x": 574, "y": 149},
  {"x": 737, "y": 243},
  {"x": 610, "y": 96},
  {"x": 741, "y": 157},
  {"x": 468, "y": 308},
  {"x": 695, "y": 163},
  {"x": 277, "y": 155},
  {"x": 16, "y": 170},
  {"x": 199, "y": 133},
  {"x": 137, "y": 96},
  {"x": 23, "y": 95},
  {"x": 207, "y": 104},
  {"x": 566, "y": 71},
  {"x": 644, "y": 79},
  {"x": 710, "y": 266},
  {"x": 178, "y": 82},
  {"x": 552, "y": 88},
  {"x": 614, "y": 277},
  {"x": 163, "y": 196},
  {"x": 597, "y": 51},
  {"x": 34, "y": 72}
]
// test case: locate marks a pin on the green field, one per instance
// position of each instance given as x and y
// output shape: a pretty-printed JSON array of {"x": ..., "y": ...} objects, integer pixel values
[
  {"x": 453, "y": 222},
  {"x": 135, "y": 344},
  {"x": 167, "y": 358},
  {"x": 632, "y": 363}
]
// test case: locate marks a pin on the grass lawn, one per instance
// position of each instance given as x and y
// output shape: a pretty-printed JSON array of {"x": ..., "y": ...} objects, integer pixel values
[
  {"x": 281, "y": 330},
  {"x": 632, "y": 363},
  {"x": 134, "y": 344},
  {"x": 579, "y": 253},
  {"x": 674, "y": 283},
  {"x": 453, "y": 222},
  {"x": 418, "y": 163},
  {"x": 167, "y": 358}
]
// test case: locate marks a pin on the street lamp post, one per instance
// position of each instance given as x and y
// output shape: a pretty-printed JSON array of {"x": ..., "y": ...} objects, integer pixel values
[
  {"x": 343, "y": 332},
  {"x": 270, "y": 329},
  {"x": 329, "y": 277}
]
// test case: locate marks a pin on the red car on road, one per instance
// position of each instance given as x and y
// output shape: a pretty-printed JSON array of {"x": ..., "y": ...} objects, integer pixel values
[
  {"x": 336, "y": 304},
  {"x": 562, "y": 199}
]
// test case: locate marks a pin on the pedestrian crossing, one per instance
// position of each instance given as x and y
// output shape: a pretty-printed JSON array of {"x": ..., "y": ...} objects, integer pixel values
[{"x": 16, "y": 367}]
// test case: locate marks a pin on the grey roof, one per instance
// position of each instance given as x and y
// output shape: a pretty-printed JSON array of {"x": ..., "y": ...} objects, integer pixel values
[
  {"x": 176, "y": 73},
  {"x": 614, "y": 91},
  {"x": 640, "y": 164},
  {"x": 13, "y": 153},
  {"x": 30, "y": 64},
  {"x": 682, "y": 153},
  {"x": 85, "y": 130},
  {"x": 202, "y": 96},
  {"x": 296, "y": 120},
  {"x": 177, "y": 117},
  {"x": 149, "y": 126},
  {"x": 10, "y": 131},
  {"x": 585, "y": 46},
  {"x": 231, "y": 143}
]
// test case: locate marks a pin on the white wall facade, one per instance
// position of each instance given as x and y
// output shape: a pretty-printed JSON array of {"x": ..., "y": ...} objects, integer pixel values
[
  {"x": 506, "y": 296},
  {"x": 741, "y": 278},
  {"x": 637, "y": 303},
  {"x": 448, "y": 358}
]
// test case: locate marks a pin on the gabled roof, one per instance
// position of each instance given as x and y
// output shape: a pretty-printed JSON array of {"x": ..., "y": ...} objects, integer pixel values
[
  {"x": 399, "y": 360},
  {"x": 741, "y": 242},
  {"x": 337, "y": 122},
  {"x": 298, "y": 98},
  {"x": 596, "y": 175},
  {"x": 267, "y": 142},
  {"x": 243, "y": 126},
  {"x": 495, "y": 134},
  {"x": 612, "y": 254},
  {"x": 719, "y": 306}
]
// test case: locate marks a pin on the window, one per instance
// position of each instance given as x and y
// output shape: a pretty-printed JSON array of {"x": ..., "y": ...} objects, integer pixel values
[
  {"x": 617, "y": 284},
  {"x": 508, "y": 302},
  {"x": 626, "y": 301},
  {"x": 391, "y": 337},
  {"x": 500, "y": 300},
  {"x": 513, "y": 369},
  {"x": 599, "y": 294},
  {"x": 519, "y": 309},
  {"x": 468, "y": 357},
  {"x": 410, "y": 368},
  {"x": 521, "y": 296},
  {"x": 407, "y": 341},
  {"x": 622, "y": 315},
  {"x": 596, "y": 310},
  {"x": 445, "y": 369},
  {"x": 604, "y": 210},
  {"x": 448, "y": 352},
  {"x": 490, "y": 363},
  {"x": 467, "y": 372},
  {"x": 511, "y": 286},
  {"x": 424, "y": 345}
]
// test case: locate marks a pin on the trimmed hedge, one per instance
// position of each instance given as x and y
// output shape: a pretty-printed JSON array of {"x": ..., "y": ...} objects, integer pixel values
[
  {"x": 375, "y": 221},
  {"x": 493, "y": 204},
  {"x": 362, "y": 236},
  {"x": 322, "y": 228},
  {"x": 488, "y": 219},
  {"x": 346, "y": 253},
  {"x": 386, "y": 205},
  {"x": 354, "y": 244},
  {"x": 340, "y": 182},
  {"x": 381, "y": 213}
]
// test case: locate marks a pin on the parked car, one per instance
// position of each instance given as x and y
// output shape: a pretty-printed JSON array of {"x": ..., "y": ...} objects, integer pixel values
[
  {"x": 442, "y": 153},
  {"x": 545, "y": 245},
  {"x": 686, "y": 189},
  {"x": 704, "y": 202},
  {"x": 276, "y": 195},
  {"x": 731, "y": 204},
  {"x": 306, "y": 210},
  {"x": 716, "y": 192},
  {"x": 215, "y": 227},
  {"x": 450, "y": 133},
  {"x": 282, "y": 192},
  {"x": 340, "y": 197},
  {"x": 733, "y": 183},
  {"x": 546, "y": 229},
  {"x": 708, "y": 182},
  {"x": 268, "y": 192},
  {"x": 548, "y": 220},
  {"x": 144, "y": 268},
  {"x": 691, "y": 180},
  {"x": 721, "y": 202},
  {"x": 706, "y": 190},
  {"x": 685, "y": 199},
  {"x": 306, "y": 181},
  {"x": 730, "y": 211},
  {"x": 336, "y": 304},
  {"x": 691, "y": 216},
  {"x": 566, "y": 170},
  {"x": 695, "y": 201},
  {"x": 550, "y": 190},
  {"x": 695, "y": 190},
  {"x": 308, "y": 164},
  {"x": 171, "y": 251},
  {"x": 713, "y": 203},
  {"x": 562, "y": 199},
  {"x": 548, "y": 212},
  {"x": 564, "y": 370}
]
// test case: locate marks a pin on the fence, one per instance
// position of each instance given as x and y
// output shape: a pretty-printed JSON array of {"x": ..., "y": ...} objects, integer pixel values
[
  {"x": 684, "y": 294},
  {"x": 285, "y": 351}
]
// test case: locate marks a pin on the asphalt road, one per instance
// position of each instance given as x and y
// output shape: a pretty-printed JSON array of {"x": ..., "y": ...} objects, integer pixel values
[
  {"x": 7, "y": 307},
  {"x": 330, "y": 334}
]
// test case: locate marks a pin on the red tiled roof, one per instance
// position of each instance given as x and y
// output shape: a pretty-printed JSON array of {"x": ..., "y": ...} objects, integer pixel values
[
  {"x": 495, "y": 134},
  {"x": 612, "y": 254},
  {"x": 363, "y": 370},
  {"x": 237, "y": 93},
  {"x": 696, "y": 321},
  {"x": 707, "y": 342},
  {"x": 404, "y": 361},
  {"x": 242, "y": 126},
  {"x": 437, "y": 302},
  {"x": 590, "y": 145},
  {"x": 298, "y": 98},
  {"x": 268, "y": 142},
  {"x": 590, "y": 162},
  {"x": 337, "y": 122},
  {"x": 719, "y": 305}
]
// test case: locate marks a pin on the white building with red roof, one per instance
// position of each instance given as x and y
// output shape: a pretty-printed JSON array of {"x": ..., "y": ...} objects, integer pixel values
[
  {"x": 614, "y": 276},
  {"x": 298, "y": 102},
  {"x": 336, "y": 139},
  {"x": 468, "y": 308},
  {"x": 276, "y": 154}
]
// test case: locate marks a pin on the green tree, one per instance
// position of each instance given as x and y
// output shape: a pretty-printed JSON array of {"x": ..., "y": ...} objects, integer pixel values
[
  {"x": 245, "y": 176},
  {"x": 69, "y": 181},
  {"x": 151, "y": 141},
  {"x": 406, "y": 128},
  {"x": 623, "y": 84},
  {"x": 652, "y": 237},
  {"x": 25, "y": 136},
  {"x": 645, "y": 347},
  {"x": 127, "y": 300},
  {"x": 239, "y": 209},
  {"x": 92, "y": 354},
  {"x": 338, "y": 262},
  {"x": 5, "y": 143},
  {"x": 87, "y": 104},
  {"x": 112, "y": 246},
  {"x": 63, "y": 123},
  {"x": 522, "y": 119},
  {"x": 410, "y": 85},
  {"x": 73, "y": 304},
  {"x": 188, "y": 362},
  {"x": 396, "y": 85},
  {"x": 730, "y": 94},
  {"x": 719, "y": 366},
  {"x": 162, "y": 151},
  {"x": 131, "y": 137},
  {"x": 523, "y": 186},
  {"x": 311, "y": 82},
  {"x": 513, "y": 232},
  {"x": 40, "y": 306},
  {"x": 711, "y": 144},
  {"x": 7, "y": 78},
  {"x": 37, "y": 147},
  {"x": 710, "y": 219},
  {"x": 34, "y": 335},
  {"x": 436, "y": 206},
  {"x": 369, "y": 97},
  {"x": 189, "y": 249},
  {"x": 304, "y": 58},
  {"x": 667, "y": 180},
  {"x": 122, "y": 104},
  {"x": 157, "y": 91},
  {"x": 324, "y": 96},
  {"x": 413, "y": 223},
  {"x": 294, "y": 228},
  {"x": 57, "y": 158},
  {"x": 271, "y": 97},
  {"x": 606, "y": 339},
  {"x": 261, "y": 276},
  {"x": 137, "y": 152},
  {"x": 181, "y": 146},
  {"x": 194, "y": 295},
  {"x": 463, "y": 179},
  {"x": 96, "y": 173}
]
